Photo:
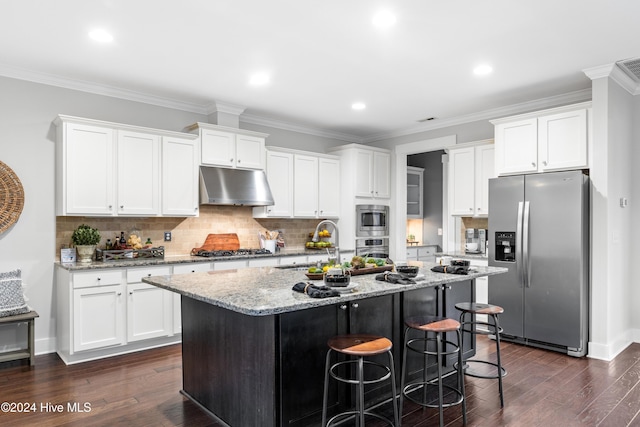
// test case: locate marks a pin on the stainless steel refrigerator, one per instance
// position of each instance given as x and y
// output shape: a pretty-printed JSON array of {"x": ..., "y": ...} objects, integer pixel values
[{"x": 539, "y": 230}]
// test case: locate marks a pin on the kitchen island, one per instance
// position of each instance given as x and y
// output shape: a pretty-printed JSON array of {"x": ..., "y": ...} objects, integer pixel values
[{"x": 254, "y": 349}]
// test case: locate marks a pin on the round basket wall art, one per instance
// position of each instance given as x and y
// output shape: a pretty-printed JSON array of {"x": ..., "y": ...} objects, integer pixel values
[{"x": 11, "y": 197}]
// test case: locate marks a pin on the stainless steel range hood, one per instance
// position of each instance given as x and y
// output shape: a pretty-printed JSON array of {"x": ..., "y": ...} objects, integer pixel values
[{"x": 222, "y": 186}]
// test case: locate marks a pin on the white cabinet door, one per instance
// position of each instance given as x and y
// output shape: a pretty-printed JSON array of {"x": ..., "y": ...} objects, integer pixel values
[
  {"x": 229, "y": 265},
  {"x": 86, "y": 158},
  {"x": 218, "y": 148},
  {"x": 562, "y": 141},
  {"x": 412, "y": 254},
  {"x": 179, "y": 177},
  {"x": 98, "y": 317},
  {"x": 138, "y": 173},
  {"x": 364, "y": 173},
  {"x": 192, "y": 267},
  {"x": 305, "y": 186},
  {"x": 462, "y": 181},
  {"x": 249, "y": 152},
  {"x": 373, "y": 174},
  {"x": 516, "y": 145},
  {"x": 381, "y": 175},
  {"x": 149, "y": 312},
  {"x": 484, "y": 171},
  {"x": 280, "y": 178},
  {"x": 328, "y": 188}
]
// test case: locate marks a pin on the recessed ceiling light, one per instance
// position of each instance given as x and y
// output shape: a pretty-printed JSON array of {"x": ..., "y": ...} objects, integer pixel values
[
  {"x": 259, "y": 79},
  {"x": 358, "y": 106},
  {"x": 483, "y": 70},
  {"x": 384, "y": 19},
  {"x": 101, "y": 36}
]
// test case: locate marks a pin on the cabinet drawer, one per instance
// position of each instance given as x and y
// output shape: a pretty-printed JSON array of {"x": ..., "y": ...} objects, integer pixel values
[
  {"x": 135, "y": 275},
  {"x": 192, "y": 268},
  {"x": 97, "y": 278},
  {"x": 263, "y": 262},
  {"x": 428, "y": 251},
  {"x": 293, "y": 260}
]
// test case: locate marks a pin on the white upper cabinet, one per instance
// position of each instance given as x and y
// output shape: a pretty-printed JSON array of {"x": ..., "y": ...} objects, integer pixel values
[
  {"x": 470, "y": 168},
  {"x": 303, "y": 184},
  {"x": 230, "y": 147},
  {"x": 110, "y": 169},
  {"x": 544, "y": 141},
  {"x": 280, "y": 178},
  {"x": 179, "y": 176},
  {"x": 328, "y": 188},
  {"x": 85, "y": 170},
  {"x": 373, "y": 174},
  {"x": 414, "y": 192},
  {"x": 138, "y": 171}
]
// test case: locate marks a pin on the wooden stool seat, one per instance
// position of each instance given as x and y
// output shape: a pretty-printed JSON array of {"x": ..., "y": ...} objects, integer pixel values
[
  {"x": 479, "y": 308},
  {"x": 360, "y": 344},
  {"x": 29, "y": 352},
  {"x": 432, "y": 324},
  {"x": 352, "y": 371}
]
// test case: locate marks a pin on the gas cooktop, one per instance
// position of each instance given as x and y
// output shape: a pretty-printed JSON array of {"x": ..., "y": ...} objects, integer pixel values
[{"x": 239, "y": 252}]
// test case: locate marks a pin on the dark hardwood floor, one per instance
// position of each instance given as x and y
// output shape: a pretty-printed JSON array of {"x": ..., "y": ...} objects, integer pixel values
[{"x": 542, "y": 388}]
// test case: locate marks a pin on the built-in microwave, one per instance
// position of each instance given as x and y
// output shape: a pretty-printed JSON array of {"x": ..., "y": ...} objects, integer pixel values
[{"x": 372, "y": 220}]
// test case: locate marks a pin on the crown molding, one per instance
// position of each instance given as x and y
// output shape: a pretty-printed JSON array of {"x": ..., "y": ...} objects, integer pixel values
[
  {"x": 100, "y": 89},
  {"x": 219, "y": 106},
  {"x": 538, "y": 104},
  {"x": 616, "y": 74},
  {"x": 294, "y": 127},
  {"x": 225, "y": 107}
]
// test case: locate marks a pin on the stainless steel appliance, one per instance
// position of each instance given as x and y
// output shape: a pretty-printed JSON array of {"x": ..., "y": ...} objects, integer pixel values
[
  {"x": 539, "y": 230},
  {"x": 376, "y": 247},
  {"x": 475, "y": 241},
  {"x": 372, "y": 220}
]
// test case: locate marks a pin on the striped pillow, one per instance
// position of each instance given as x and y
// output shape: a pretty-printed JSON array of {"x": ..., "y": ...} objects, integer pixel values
[{"x": 12, "y": 299}]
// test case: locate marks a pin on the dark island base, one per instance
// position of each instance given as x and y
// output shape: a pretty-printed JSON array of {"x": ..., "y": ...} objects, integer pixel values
[{"x": 269, "y": 370}]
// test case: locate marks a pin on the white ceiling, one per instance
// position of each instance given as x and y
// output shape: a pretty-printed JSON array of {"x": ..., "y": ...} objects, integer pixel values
[{"x": 322, "y": 55}]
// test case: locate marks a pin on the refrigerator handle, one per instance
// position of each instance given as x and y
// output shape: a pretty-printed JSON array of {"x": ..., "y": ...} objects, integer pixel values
[
  {"x": 525, "y": 245},
  {"x": 519, "y": 260}
]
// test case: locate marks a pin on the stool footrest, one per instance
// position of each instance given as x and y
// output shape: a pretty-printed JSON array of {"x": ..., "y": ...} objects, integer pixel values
[
  {"x": 343, "y": 416},
  {"x": 415, "y": 386},
  {"x": 478, "y": 372}
]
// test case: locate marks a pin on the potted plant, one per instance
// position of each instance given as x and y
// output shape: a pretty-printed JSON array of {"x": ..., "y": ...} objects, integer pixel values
[{"x": 85, "y": 239}]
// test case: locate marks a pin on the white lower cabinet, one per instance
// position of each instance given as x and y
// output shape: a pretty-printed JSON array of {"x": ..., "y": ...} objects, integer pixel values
[
  {"x": 109, "y": 311},
  {"x": 98, "y": 317},
  {"x": 149, "y": 308}
]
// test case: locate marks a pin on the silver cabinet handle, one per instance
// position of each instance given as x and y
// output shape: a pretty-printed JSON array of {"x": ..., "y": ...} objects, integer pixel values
[
  {"x": 130, "y": 293},
  {"x": 355, "y": 305},
  {"x": 239, "y": 160},
  {"x": 343, "y": 307},
  {"x": 544, "y": 163},
  {"x": 231, "y": 160},
  {"x": 121, "y": 206},
  {"x": 533, "y": 164},
  {"x": 119, "y": 293}
]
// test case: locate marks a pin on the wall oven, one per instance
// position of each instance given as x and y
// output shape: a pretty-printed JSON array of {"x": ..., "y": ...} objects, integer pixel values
[
  {"x": 374, "y": 247},
  {"x": 372, "y": 221}
]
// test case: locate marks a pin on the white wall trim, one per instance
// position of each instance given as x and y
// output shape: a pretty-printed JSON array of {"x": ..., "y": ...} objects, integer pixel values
[
  {"x": 398, "y": 229},
  {"x": 293, "y": 127},
  {"x": 614, "y": 347}
]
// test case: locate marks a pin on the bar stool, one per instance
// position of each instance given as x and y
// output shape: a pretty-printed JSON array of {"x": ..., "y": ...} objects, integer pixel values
[
  {"x": 493, "y": 328},
  {"x": 360, "y": 346},
  {"x": 437, "y": 326}
]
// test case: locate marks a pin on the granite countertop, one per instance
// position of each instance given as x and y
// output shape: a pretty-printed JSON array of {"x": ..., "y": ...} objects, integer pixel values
[
  {"x": 268, "y": 290},
  {"x": 462, "y": 254},
  {"x": 184, "y": 259}
]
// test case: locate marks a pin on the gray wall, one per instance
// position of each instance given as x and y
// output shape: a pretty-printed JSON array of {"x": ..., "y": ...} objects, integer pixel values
[{"x": 431, "y": 194}]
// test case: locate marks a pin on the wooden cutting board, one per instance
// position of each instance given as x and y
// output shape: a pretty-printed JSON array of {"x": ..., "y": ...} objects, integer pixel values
[{"x": 219, "y": 242}]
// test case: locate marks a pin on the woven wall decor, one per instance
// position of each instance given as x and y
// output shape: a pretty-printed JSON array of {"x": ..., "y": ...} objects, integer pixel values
[{"x": 11, "y": 197}]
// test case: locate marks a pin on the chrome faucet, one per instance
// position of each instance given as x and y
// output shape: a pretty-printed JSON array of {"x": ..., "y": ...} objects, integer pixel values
[{"x": 315, "y": 237}]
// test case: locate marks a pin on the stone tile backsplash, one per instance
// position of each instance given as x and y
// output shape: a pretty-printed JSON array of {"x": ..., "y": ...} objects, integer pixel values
[{"x": 188, "y": 233}]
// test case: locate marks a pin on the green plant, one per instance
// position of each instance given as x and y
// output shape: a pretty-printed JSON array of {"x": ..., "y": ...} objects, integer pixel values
[{"x": 85, "y": 235}]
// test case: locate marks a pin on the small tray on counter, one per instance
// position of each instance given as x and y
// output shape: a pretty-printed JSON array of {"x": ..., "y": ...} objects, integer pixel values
[{"x": 370, "y": 270}]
